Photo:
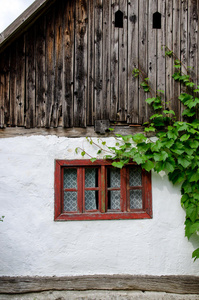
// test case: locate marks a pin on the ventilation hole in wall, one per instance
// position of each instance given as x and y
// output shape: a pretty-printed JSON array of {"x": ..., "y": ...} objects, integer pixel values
[
  {"x": 157, "y": 20},
  {"x": 119, "y": 19}
]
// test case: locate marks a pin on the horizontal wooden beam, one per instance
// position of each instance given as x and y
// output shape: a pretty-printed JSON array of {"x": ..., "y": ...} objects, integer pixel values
[
  {"x": 68, "y": 132},
  {"x": 169, "y": 284}
]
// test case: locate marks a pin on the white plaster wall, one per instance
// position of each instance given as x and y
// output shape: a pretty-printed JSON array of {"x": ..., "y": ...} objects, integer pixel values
[{"x": 31, "y": 243}]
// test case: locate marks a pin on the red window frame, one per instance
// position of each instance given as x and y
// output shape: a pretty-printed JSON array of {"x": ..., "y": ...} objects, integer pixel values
[{"x": 102, "y": 213}]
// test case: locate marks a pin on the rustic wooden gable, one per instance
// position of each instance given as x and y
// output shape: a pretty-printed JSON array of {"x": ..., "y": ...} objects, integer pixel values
[{"x": 74, "y": 64}]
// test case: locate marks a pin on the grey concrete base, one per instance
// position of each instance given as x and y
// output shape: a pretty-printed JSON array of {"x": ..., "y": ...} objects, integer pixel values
[{"x": 99, "y": 295}]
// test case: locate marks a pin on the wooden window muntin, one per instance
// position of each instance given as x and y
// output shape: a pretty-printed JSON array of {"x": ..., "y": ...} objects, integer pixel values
[{"x": 102, "y": 213}]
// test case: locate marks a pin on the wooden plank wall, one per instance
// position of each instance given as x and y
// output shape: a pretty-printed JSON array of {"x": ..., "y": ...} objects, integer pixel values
[{"x": 74, "y": 66}]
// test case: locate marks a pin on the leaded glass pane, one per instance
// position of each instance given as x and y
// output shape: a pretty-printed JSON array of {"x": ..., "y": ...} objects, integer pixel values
[
  {"x": 70, "y": 201},
  {"x": 136, "y": 199},
  {"x": 113, "y": 177},
  {"x": 135, "y": 176},
  {"x": 70, "y": 178},
  {"x": 114, "y": 200},
  {"x": 91, "y": 199},
  {"x": 91, "y": 177}
]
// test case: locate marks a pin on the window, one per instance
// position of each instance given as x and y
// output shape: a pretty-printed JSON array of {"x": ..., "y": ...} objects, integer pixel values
[
  {"x": 157, "y": 20},
  {"x": 97, "y": 191},
  {"x": 119, "y": 19}
]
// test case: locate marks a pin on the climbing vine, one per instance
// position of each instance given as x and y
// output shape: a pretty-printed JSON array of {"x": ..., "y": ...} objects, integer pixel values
[{"x": 174, "y": 147}]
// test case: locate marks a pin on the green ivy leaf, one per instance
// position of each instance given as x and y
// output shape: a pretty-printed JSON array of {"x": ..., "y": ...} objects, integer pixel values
[
  {"x": 83, "y": 153},
  {"x": 195, "y": 177},
  {"x": 93, "y": 159},
  {"x": 191, "y": 212},
  {"x": 139, "y": 137},
  {"x": 184, "y": 162},
  {"x": 148, "y": 166},
  {"x": 191, "y": 228},
  {"x": 160, "y": 156},
  {"x": 195, "y": 254},
  {"x": 119, "y": 164},
  {"x": 150, "y": 100},
  {"x": 169, "y": 167},
  {"x": 185, "y": 137},
  {"x": 169, "y": 112}
]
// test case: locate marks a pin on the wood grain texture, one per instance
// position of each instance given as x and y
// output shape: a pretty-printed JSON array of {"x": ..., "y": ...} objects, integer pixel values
[
  {"x": 98, "y": 59},
  {"x": 133, "y": 62},
  {"x": 161, "y": 42},
  {"x": 50, "y": 66},
  {"x": 77, "y": 65},
  {"x": 80, "y": 82},
  {"x": 91, "y": 64},
  {"x": 169, "y": 284},
  {"x": 169, "y": 61},
  {"x": 106, "y": 63},
  {"x": 6, "y": 93},
  {"x": 69, "y": 132},
  {"x": 68, "y": 66},
  {"x": 122, "y": 52},
  {"x": 152, "y": 52},
  {"x": 30, "y": 120},
  {"x": 175, "y": 104},
  {"x": 12, "y": 87},
  {"x": 114, "y": 63},
  {"x": 2, "y": 87},
  {"x": 143, "y": 56},
  {"x": 20, "y": 81},
  {"x": 58, "y": 90},
  {"x": 41, "y": 83}
]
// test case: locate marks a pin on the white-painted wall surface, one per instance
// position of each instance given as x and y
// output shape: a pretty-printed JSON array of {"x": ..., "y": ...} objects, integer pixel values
[{"x": 31, "y": 243}]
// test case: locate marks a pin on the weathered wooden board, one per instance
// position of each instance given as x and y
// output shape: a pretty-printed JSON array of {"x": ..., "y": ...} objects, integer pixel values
[
  {"x": 2, "y": 87},
  {"x": 30, "y": 79},
  {"x": 123, "y": 62},
  {"x": 80, "y": 83},
  {"x": 152, "y": 52},
  {"x": 175, "y": 104},
  {"x": 143, "y": 56},
  {"x": 6, "y": 91},
  {"x": 169, "y": 284},
  {"x": 68, "y": 48},
  {"x": 91, "y": 64},
  {"x": 184, "y": 40},
  {"x": 106, "y": 63},
  {"x": 50, "y": 66},
  {"x": 41, "y": 83},
  {"x": 69, "y": 132},
  {"x": 133, "y": 62},
  {"x": 161, "y": 42},
  {"x": 12, "y": 87},
  {"x": 20, "y": 81},
  {"x": 58, "y": 90},
  {"x": 114, "y": 63},
  {"x": 98, "y": 59},
  {"x": 169, "y": 61}
]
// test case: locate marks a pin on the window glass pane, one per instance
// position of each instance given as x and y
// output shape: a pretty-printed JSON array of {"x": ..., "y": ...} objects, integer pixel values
[
  {"x": 135, "y": 176},
  {"x": 70, "y": 201},
  {"x": 70, "y": 178},
  {"x": 136, "y": 199},
  {"x": 113, "y": 177},
  {"x": 91, "y": 200},
  {"x": 91, "y": 177},
  {"x": 114, "y": 200}
]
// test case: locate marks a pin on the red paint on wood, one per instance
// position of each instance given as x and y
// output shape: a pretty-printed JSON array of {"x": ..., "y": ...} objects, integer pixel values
[{"x": 102, "y": 213}]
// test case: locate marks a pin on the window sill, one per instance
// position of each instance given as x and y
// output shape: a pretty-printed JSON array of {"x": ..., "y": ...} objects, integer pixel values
[{"x": 139, "y": 214}]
